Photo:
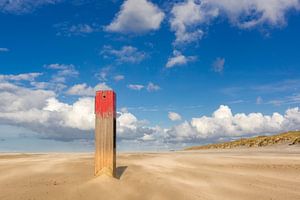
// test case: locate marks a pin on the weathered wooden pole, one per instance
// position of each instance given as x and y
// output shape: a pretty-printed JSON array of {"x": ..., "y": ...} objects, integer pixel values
[{"x": 105, "y": 133}]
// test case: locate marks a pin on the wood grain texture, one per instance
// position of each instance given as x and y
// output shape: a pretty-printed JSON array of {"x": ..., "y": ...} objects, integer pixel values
[{"x": 105, "y": 134}]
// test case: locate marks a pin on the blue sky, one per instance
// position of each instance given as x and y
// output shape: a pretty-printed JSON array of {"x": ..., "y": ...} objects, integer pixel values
[{"x": 185, "y": 72}]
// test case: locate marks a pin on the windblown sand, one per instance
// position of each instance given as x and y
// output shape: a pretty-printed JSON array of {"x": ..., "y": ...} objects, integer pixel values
[{"x": 223, "y": 174}]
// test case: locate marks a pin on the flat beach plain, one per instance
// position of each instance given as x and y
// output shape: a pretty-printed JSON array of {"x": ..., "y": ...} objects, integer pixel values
[{"x": 261, "y": 173}]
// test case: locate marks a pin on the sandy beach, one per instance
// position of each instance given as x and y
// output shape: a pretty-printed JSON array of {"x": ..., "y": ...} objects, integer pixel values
[{"x": 269, "y": 173}]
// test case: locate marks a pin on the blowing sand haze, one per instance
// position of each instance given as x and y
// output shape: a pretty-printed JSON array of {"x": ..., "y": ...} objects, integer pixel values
[{"x": 208, "y": 174}]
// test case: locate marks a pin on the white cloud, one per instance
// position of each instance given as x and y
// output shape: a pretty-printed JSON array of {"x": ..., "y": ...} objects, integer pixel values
[
  {"x": 42, "y": 112},
  {"x": 126, "y": 54},
  {"x": 65, "y": 29},
  {"x": 218, "y": 65},
  {"x": 24, "y": 6},
  {"x": 102, "y": 86},
  {"x": 63, "y": 72},
  {"x": 124, "y": 109},
  {"x": 136, "y": 16},
  {"x": 17, "y": 98},
  {"x": 223, "y": 123},
  {"x": 127, "y": 121},
  {"x": 189, "y": 18},
  {"x": 135, "y": 86},
  {"x": 81, "y": 28},
  {"x": 185, "y": 16},
  {"x": 58, "y": 66},
  {"x": 85, "y": 90},
  {"x": 174, "y": 116},
  {"x": 130, "y": 128},
  {"x": 4, "y": 49},
  {"x": 57, "y": 87},
  {"x": 104, "y": 72},
  {"x": 81, "y": 90},
  {"x": 183, "y": 132},
  {"x": 152, "y": 87},
  {"x": 147, "y": 137},
  {"x": 247, "y": 14},
  {"x": 179, "y": 59},
  {"x": 119, "y": 77},
  {"x": 20, "y": 77},
  {"x": 78, "y": 115}
]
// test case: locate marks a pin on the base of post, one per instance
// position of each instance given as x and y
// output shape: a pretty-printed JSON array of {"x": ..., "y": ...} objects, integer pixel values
[{"x": 105, "y": 171}]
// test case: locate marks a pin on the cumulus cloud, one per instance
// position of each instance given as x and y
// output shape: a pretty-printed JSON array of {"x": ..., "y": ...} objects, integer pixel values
[
  {"x": 20, "y": 77},
  {"x": 152, "y": 87},
  {"x": 174, "y": 116},
  {"x": 247, "y": 14},
  {"x": 183, "y": 132},
  {"x": 85, "y": 90},
  {"x": 126, "y": 54},
  {"x": 119, "y": 77},
  {"x": 82, "y": 29},
  {"x": 42, "y": 112},
  {"x": 77, "y": 115},
  {"x": 104, "y": 72},
  {"x": 223, "y": 123},
  {"x": 24, "y": 6},
  {"x": 4, "y": 49},
  {"x": 130, "y": 128},
  {"x": 127, "y": 124},
  {"x": 57, "y": 66},
  {"x": 148, "y": 137},
  {"x": 63, "y": 72},
  {"x": 136, "y": 16},
  {"x": 54, "y": 86},
  {"x": 178, "y": 59},
  {"x": 135, "y": 86},
  {"x": 218, "y": 65},
  {"x": 17, "y": 98},
  {"x": 185, "y": 16},
  {"x": 190, "y": 17}
]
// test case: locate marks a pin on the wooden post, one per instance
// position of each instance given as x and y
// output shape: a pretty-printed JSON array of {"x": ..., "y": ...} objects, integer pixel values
[{"x": 105, "y": 133}]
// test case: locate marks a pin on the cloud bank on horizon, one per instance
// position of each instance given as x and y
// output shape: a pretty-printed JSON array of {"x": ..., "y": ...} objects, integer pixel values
[
  {"x": 39, "y": 110},
  {"x": 56, "y": 102}
]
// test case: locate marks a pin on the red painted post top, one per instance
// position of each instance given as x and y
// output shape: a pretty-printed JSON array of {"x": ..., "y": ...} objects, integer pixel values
[{"x": 105, "y": 103}]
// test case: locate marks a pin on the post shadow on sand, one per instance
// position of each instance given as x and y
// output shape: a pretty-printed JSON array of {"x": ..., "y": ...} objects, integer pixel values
[{"x": 120, "y": 170}]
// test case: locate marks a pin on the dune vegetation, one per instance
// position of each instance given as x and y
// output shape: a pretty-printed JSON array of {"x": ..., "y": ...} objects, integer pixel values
[{"x": 290, "y": 138}]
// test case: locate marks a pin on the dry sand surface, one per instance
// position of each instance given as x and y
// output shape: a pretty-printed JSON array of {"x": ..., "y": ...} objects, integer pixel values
[{"x": 219, "y": 174}]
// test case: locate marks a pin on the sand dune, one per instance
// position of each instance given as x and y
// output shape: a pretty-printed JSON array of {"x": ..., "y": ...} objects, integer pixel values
[
  {"x": 287, "y": 138},
  {"x": 227, "y": 174}
]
